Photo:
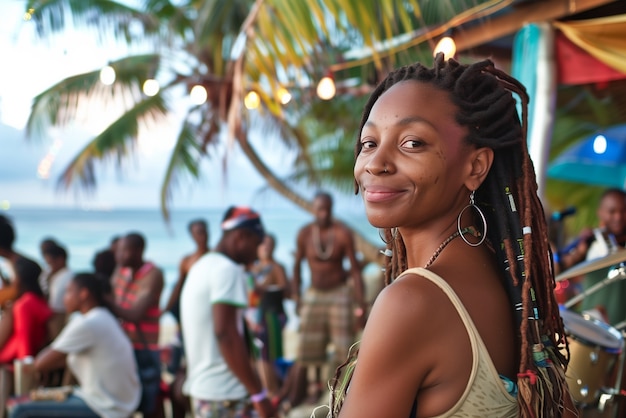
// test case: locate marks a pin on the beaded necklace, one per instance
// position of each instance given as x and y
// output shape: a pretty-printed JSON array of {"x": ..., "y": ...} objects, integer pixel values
[
  {"x": 320, "y": 252},
  {"x": 444, "y": 244}
]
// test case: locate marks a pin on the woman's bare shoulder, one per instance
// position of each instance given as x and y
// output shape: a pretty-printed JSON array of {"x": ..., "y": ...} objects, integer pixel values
[
  {"x": 401, "y": 348},
  {"x": 412, "y": 302}
]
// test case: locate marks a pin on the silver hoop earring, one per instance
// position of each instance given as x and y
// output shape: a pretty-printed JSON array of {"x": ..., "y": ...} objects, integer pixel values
[
  {"x": 382, "y": 237},
  {"x": 472, "y": 204},
  {"x": 394, "y": 235}
]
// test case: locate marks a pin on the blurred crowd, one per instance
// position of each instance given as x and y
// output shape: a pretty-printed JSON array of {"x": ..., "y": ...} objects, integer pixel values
[{"x": 99, "y": 332}]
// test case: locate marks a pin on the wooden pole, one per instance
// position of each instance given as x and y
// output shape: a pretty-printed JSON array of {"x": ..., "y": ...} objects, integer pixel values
[{"x": 539, "y": 11}]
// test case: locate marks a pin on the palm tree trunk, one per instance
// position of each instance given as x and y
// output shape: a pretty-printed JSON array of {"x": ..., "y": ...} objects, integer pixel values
[{"x": 368, "y": 249}]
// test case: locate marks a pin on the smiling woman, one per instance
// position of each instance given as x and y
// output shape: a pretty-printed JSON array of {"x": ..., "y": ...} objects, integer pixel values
[{"x": 442, "y": 155}]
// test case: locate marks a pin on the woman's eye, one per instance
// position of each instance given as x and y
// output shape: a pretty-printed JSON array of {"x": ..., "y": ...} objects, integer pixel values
[
  {"x": 367, "y": 143},
  {"x": 412, "y": 143}
]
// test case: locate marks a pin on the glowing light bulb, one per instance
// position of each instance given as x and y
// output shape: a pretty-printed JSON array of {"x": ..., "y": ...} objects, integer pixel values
[
  {"x": 151, "y": 87},
  {"x": 447, "y": 46},
  {"x": 29, "y": 14},
  {"x": 107, "y": 75},
  {"x": 599, "y": 144},
  {"x": 198, "y": 94},
  {"x": 326, "y": 88},
  {"x": 252, "y": 100},
  {"x": 284, "y": 96}
]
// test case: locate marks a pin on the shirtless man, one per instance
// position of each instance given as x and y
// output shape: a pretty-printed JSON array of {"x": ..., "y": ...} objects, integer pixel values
[{"x": 328, "y": 308}]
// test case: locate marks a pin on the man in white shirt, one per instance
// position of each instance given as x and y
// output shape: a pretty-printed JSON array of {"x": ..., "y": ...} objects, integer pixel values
[{"x": 220, "y": 378}]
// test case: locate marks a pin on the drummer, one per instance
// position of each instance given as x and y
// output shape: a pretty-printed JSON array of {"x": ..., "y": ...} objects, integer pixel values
[{"x": 610, "y": 236}]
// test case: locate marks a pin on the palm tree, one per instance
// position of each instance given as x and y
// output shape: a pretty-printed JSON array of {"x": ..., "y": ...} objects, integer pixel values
[
  {"x": 227, "y": 47},
  {"x": 230, "y": 48}
]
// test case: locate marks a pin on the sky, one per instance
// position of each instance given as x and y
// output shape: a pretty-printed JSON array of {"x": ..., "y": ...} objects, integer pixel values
[{"x": 30, "y": 66}]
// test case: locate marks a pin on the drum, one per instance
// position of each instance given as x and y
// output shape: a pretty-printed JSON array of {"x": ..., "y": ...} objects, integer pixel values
[{"x": 594, "y": 350}]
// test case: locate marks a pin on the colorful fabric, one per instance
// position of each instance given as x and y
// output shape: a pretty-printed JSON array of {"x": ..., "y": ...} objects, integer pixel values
[
  {"x": 241, "y": 408},
  {"x": 30, "y": 328},
  {"x": 601, "y": 37},
  {"x": 243, "y": 217},
  {"x": 326, "y": 317},
  {"x": 270, "y": 334},
  {"x": 125, "y": 295}
]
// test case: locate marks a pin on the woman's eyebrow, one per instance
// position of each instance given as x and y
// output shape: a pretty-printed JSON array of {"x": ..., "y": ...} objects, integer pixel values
[{"x": 403, "y": 122}]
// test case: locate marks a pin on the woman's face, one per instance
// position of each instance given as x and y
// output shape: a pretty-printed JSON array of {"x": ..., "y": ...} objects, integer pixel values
[
  {"x": 413, "y": 160},
  {"x": 71, "y": 297}
]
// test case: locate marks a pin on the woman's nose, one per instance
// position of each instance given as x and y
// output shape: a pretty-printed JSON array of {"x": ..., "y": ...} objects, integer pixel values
[{"x": 380, "y": 162}]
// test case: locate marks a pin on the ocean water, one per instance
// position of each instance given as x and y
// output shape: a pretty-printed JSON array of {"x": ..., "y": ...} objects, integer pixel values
[{"x": 85, "y": 232}]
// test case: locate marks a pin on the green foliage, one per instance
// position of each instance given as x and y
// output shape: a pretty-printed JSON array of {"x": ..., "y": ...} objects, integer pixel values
[{"x": 284, "y": 43}]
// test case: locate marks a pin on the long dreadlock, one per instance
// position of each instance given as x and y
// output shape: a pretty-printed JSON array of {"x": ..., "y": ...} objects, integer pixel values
[{"x": 517, "y": 228}]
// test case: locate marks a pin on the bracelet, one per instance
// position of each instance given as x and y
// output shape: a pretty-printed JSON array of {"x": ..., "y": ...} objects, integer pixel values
[{"x": 258, "y": 397}]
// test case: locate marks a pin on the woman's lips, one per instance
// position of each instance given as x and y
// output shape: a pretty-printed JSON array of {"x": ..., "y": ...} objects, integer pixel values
[{"x": 375, "y": 195}]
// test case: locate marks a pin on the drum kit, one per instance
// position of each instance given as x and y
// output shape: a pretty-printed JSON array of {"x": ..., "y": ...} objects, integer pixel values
[{"x": 597, "y": 355}]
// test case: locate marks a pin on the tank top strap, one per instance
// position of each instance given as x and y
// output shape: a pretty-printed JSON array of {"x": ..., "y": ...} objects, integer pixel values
[
  {"x": 434, "y": 278},
  {"x": 445, "y": 287},
  {"x": 478, "y": 345},
  {"x": 484, "y": 377}
]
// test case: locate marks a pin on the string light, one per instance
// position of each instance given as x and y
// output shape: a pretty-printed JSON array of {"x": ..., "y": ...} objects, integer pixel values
[
  {"x": 252, "y": 100},
  {"x": 151, "y": 87},
  {"x": 107, "y": 75},
  {"x": 198, "y": 94},
  {"x": 326, "y": 88},
  {"x": 29, "y": 14},
  {"x": 447, "y": 46},
  {"x": 284, "y": 96}
]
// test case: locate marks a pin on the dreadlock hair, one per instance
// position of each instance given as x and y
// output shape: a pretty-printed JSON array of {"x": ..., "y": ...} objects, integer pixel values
[{"x": 517, "y": 225}]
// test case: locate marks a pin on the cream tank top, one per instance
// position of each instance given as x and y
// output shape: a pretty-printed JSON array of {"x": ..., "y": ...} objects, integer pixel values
[{"x": 485, "y": 395}]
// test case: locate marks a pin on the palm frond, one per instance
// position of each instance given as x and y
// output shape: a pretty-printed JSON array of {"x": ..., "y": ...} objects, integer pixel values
[
  {"x": 117, "y": 141},
  {"x": 185, "y": 158},
  {"x": 59, "y": 104},
  {"x": 106, "y": 16}
]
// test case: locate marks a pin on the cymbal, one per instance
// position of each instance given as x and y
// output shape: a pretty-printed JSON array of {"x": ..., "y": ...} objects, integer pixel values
[{"x": 593, "y": 265}]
